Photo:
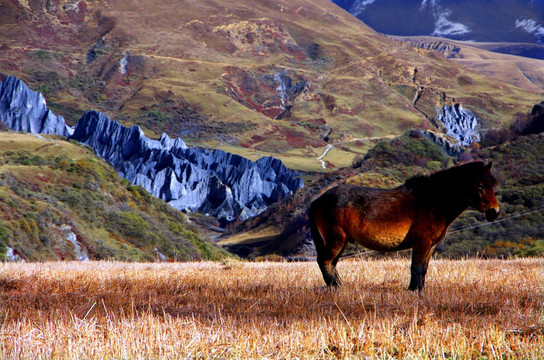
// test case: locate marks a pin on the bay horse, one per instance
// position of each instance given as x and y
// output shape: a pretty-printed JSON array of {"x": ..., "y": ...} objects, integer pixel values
[{"x": 414, "y": 215}]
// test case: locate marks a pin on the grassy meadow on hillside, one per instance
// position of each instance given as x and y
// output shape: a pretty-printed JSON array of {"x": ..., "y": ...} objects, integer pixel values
[
  {"x": 470, "y": 309},
  {"x": 48, "y": 185}
]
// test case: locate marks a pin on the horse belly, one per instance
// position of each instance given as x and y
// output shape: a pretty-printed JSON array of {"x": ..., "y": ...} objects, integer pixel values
[{"x": 384, "y": 234}]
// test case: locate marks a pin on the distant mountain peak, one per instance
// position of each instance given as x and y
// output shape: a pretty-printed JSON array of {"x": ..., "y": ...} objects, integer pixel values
[
  {"x": 484, "y": 21},
  {"x": 531, "y": 26},
  {"x": 445, "y": 27}
]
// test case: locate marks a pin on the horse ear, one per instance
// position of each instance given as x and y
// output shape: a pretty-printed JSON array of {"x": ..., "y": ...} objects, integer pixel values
[{"x": 488, "y": 166}]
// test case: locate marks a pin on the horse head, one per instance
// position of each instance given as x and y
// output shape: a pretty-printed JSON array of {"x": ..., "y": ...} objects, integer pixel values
[{"x": 483, "y": 197}]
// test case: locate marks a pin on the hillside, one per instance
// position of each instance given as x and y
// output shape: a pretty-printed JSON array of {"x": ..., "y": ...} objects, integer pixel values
[
  {"x": 59, "y": 201},
  {"x": 278, "y": 78},
  {"x": 519, "y": 71}
]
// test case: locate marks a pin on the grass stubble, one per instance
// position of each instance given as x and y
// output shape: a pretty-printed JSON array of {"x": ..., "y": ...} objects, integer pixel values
[{"x": 483, "y": 309}]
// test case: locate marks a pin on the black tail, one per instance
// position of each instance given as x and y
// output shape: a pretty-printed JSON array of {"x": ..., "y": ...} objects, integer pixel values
[{"x": 319, "y": 242}]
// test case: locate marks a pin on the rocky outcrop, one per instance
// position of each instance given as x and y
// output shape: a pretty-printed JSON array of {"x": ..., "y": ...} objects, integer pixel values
[
  {"x": 268, "y": 90},
  {"x": 459, "y": 124},
  {"x": 449, "y": 50},
  {"x": 288, "y": 91},
  {"x": 214, "y": 182},
  {"x": 191, "y": 179},
  {"x": 535, "y": 123},
  {"x": 22, "y": 109},
  {"x": 446, "y": 145}
]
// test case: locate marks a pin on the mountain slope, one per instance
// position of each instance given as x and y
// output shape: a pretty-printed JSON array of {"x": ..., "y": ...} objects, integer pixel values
[
  {"x": 284, "y": 230},
  {"x": 487, "y": 59},
  {"x": 255, "y": 78},
  {"x": 59, "y": 201},
  {"x": 191, "y": 179}
]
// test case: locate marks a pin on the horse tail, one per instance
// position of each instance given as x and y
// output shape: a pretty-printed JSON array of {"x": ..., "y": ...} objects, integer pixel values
[{"x": 319, "y": 242}]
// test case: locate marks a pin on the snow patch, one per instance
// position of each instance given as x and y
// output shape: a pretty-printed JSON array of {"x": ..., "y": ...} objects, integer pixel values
[
  {"x": 446, "y": 27},
  {"x": 530, "y": 26},
  {"x": 424, "y": 3},
  {"x": 359, "y": 6}
]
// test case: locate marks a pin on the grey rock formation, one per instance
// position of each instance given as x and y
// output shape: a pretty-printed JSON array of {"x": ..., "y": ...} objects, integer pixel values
[
  {"x": 288, "y": 91},
  {"x": 446, "y": 145},
  {"x": 448, "y": 49},
  {"x": 214, "y": 182},
  {"x": 460, "y": 124},
  {"x": 22, "y": 109},
  {"x": 191, "y": 179}
]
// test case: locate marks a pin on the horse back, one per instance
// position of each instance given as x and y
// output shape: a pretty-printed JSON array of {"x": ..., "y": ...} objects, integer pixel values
[{"x": 378, "y": 219}]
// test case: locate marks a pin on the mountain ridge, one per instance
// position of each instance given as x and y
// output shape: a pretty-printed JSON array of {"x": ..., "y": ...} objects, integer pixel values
[{"x": 515, "y": 21}]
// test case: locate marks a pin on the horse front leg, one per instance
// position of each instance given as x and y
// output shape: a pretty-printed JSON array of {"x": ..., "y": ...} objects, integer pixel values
[{"x": 421, "y": 254}]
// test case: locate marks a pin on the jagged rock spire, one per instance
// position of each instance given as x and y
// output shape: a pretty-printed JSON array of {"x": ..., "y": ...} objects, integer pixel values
[{"x": 22, "y": 109}]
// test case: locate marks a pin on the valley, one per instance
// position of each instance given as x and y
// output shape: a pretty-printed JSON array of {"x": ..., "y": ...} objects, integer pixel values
[{"x": 241, "y": 84}]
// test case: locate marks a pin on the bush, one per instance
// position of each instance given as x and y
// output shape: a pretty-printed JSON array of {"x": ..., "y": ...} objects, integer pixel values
[
  {"x": 3, "y": 251},
  {"x": 4, "y": 233}
]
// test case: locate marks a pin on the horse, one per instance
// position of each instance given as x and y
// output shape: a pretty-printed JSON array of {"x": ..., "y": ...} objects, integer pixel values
[{"x": 414, "y": 215}]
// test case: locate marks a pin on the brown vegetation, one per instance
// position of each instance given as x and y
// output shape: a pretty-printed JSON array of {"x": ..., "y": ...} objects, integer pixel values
[{"x": 488, "y": 309}]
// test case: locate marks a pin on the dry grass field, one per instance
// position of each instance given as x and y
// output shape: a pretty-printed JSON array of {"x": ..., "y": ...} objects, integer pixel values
[{"x": 471, "y": 309}]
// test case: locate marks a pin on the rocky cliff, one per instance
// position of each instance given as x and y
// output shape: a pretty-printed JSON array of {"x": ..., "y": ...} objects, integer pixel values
[
  {"x": 459, "y": 123},
  {"x": 22, "y": 109},
  {"x": 448, "y": 49},
  {"x": 191, "y": 179}
]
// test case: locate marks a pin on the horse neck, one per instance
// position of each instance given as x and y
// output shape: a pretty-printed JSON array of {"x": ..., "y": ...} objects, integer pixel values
[
  {"x": 453, "y": 209},
  {"x": 448, "y": 200}
]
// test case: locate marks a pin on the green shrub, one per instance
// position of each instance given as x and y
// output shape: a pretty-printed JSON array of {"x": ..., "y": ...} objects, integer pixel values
[
  {"x": 159, "y": 116},
  {"x": 5, "y": 234},
  {"x": 3, "y": 251},
  {"x": 41, "y": 54}
]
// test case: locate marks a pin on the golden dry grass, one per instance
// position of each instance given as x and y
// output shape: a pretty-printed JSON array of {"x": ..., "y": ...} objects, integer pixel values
[{"x": 486, "y": 309}]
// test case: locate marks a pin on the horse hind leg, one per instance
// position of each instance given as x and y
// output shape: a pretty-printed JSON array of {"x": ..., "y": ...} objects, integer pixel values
[
  {"x": 335, "y": 261},
  {"x": 328, "y": 256},
  {"x": 329, "y": 244}
]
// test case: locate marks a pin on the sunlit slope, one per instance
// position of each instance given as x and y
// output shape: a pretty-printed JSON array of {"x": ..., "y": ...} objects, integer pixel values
[{"x": 212, "y": 73}]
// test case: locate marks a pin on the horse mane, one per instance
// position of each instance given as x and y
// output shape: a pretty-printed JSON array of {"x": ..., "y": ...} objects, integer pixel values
[{"x": 444, "y": 181}]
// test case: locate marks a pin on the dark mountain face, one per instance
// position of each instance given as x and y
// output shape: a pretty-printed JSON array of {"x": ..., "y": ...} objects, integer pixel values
[{"x": 482, "y": 20}]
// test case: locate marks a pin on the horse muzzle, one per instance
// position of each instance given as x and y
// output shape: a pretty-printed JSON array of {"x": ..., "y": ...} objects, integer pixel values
[{"x": 491, "y": 214}]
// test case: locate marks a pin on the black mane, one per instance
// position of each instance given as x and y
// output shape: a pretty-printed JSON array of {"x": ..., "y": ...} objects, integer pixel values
[{"x": 458, "y": 177}]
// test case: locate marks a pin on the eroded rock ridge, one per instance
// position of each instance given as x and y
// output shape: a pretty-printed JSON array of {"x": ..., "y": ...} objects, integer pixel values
[
  {"x": 213, "y": 182},
  {"x": 459, "y": 123},
  {"x": 22, "y": 109}
]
